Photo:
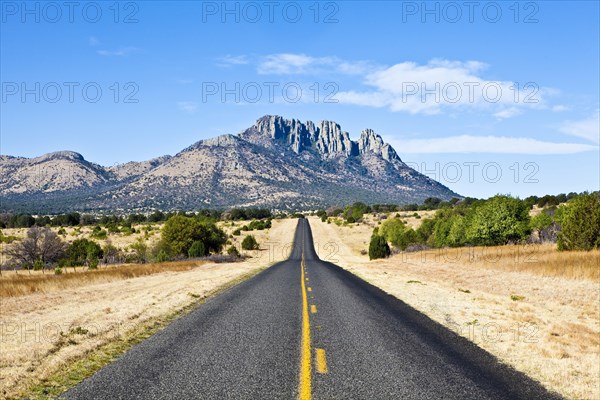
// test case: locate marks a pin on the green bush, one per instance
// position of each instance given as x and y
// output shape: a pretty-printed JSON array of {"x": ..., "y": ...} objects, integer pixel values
[
  {"x": 237, "y": 232},
  {"x": 58, "y": 271},
  {"x": 38, "y": 265},
  {"x": 378, "y": 248},
  {"x": 82, "y": 251},
  {"x": 180, "y": 232},
  {"x": 197, "y": 250},
  {"x": 499, "y": 220},
  {"x": 249, "y": 243},
  {"x": 162, "y": 256},
  {"x": 233, "y": 251},
  {"x": 580, "y": 223}
]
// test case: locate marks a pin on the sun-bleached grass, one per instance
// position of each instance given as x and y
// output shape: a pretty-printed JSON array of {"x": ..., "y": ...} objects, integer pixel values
[
  {"x": 18, "y": 284},
  {"x": 543, "y": 260}
]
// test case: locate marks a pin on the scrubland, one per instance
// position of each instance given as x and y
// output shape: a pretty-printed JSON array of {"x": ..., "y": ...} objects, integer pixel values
[
  {"x": 533, "y": 307},
  {"x": 49, "y": 323}
]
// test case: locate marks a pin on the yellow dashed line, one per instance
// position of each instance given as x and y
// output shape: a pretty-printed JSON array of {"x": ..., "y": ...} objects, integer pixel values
[
  {"x": 321, "y": 361},
  {"x": 310, "y": 289},
  {"x": 313, "y": 309}
]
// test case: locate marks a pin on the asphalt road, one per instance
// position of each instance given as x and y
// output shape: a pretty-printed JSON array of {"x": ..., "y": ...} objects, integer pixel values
[{"x": 305, "y": 328}]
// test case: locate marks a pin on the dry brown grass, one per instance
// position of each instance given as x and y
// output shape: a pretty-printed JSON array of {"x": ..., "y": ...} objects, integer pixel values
[
  {"x": 19, "y": 284},
  {"x": 543, "y": 260}
]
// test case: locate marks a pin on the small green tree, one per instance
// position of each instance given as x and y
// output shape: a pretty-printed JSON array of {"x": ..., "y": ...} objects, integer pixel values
[
  {"x": 197, "y": 250},
  {"x": 378, "y": 248},
  {"x": 579, "y": 220},
  {"x": 249, "y": 243},
  {"x": 140, "y": 251},
  {"x": 499, "y": 220},
  {"x": 82, "y": 251}
]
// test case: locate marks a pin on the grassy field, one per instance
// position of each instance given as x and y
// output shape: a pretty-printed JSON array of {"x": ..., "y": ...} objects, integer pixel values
[
  {"x": 56, "y": 329},
  {"x": 533, "y": 307}
]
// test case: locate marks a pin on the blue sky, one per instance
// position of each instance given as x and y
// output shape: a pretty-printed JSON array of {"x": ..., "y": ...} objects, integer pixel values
[{"x": 486, "y": 97}]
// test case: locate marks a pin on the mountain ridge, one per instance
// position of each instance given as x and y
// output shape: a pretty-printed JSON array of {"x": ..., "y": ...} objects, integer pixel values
[{"x": 277, "y": 162}]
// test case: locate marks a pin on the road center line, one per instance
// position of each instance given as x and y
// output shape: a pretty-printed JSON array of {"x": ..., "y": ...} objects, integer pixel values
[
  {"x": 322, "y": 362},
  {"x": 313, "y": 309},
  {"x": 305, "y": 357}
]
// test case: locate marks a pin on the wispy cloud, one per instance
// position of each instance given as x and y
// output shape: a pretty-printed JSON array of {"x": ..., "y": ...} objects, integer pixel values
[
  {"x": 189, "y": 107},
  {"x": 230, "y": 60},
  {"x": 508, "y": 113},
  {"x": 588, "y": 128},
  {"x": 120, "y": 52},
  {"x": 488, "y": 144},
  {"x": 93, "y": 41},
  {"x": 297, "y": 64}
]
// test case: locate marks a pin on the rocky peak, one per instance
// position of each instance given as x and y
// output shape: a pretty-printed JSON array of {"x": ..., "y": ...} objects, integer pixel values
[
  {"x": 331, "y": 140},
  {"x": 370, "y": 142},
  {"x": 60, "y": 155}
]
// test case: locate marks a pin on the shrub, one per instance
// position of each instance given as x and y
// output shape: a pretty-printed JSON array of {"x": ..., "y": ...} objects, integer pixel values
[
  {"x": 83, "y": 251},
  {"x": 58, "y": 271},
  {"x": 38, "y": 265},
  {"x": 237, "y": 232},
  {"x": 378, "y": 248},
  {"x": 197, "y": 250},
  {"x": 162, "y": 256},
  {"x": 233, "y": 251},
  {"x": 499, "y": 220},
  {"x": 249, "y": 243},
  {"x": 580, "y": 223},
  {"x": 180, "y": 232}
]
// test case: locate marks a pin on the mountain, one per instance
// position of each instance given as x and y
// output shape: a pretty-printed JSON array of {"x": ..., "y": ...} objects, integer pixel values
[{"x": 277, "y": 162}]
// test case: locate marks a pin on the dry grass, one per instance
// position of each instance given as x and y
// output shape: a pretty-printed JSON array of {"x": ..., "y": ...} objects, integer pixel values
[
  {"x": 533, "y": 307},
  {"x": 542, "y": 260},
  {"x": 18, "y": 284}
]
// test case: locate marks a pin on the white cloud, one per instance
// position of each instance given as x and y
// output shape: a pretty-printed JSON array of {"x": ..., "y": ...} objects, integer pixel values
[
  {"x": 488, "y": 144},
  {"x": 560, "y": 108},
  {"x": 588, "y": 128},
  {"x": 508, "y": 113},
  {"x": 289, "y": 63},
  {"x": 439, "y": 85},
  {"x": 229, "y": 60},
  {"x": 121, "y": 52},
  {"x": 93, "y": 41},
  {"x": 189, "y": 107},
  {"x": 280, "y": 64}
]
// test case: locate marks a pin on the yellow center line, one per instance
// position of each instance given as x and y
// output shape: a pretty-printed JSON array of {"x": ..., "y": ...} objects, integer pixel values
[
  {"x": 321, "y": 362},
  {"x": 313, "y": 309},
  {"x": 305, "y": 356}
]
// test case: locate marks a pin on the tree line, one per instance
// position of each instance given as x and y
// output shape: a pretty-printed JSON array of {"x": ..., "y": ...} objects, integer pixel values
[{"x": 499, "y": 220}]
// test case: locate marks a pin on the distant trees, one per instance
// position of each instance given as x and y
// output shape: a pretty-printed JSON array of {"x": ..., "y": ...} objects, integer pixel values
[
  {"x": 41, "y": 245},
  {"x": 247, "y": 213}
]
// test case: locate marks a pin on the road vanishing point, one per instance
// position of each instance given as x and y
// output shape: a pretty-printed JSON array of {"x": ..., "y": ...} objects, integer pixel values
[{"x": 307, "y": 329}]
